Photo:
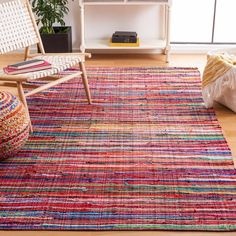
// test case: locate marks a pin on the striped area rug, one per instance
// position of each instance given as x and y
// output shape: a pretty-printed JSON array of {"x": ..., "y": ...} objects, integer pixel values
[{"x": 146, "y": 155}]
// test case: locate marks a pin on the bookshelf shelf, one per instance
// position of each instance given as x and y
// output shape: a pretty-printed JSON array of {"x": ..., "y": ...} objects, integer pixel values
[
  {"x": 96, "y": 44},
  {"x": 144, "y": 44}
]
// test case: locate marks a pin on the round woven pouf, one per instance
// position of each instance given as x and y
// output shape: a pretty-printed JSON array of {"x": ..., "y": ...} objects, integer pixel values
[{"x": 14, "y": 125}]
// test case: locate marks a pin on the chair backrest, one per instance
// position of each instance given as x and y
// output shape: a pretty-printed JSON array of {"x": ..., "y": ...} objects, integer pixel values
[{"x": 18, "y": 28}]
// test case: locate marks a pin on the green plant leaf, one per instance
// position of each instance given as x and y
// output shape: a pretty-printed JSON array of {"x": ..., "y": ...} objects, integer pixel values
[{"x": 49, "y": 12}]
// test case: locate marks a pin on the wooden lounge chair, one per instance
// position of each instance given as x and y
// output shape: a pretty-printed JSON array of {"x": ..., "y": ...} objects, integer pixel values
[{"x": 18, "y": 29}]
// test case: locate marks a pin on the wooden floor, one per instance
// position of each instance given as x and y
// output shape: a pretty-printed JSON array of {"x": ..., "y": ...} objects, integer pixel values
[{"x": 227, "y": 120}]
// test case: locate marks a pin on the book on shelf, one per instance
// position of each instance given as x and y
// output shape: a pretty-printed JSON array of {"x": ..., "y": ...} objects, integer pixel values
[
  {"x": 124, "y": 37},
  {"x": 14, "y": 71},
  {"x": 25, "y": 64},
  {"x": 137, "y": 44}
]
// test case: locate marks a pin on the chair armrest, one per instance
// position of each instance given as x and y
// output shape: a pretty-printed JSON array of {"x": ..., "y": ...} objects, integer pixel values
[
  {"x": 61, "y": 54},
  {"x": 17, "y": 78}
]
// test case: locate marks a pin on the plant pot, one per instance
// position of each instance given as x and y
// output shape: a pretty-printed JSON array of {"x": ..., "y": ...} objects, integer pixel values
[{"x": 59, "y": 42}]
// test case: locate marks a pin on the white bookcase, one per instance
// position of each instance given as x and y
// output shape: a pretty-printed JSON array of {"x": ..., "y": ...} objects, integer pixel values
[{"x": 163, "y": 44}]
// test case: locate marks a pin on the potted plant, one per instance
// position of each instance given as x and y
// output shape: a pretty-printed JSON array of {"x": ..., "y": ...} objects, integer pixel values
[{"x": 49, "y": 12}]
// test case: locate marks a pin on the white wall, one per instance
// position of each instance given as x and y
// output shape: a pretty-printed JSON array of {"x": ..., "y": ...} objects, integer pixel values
[{"x": 102, "y": 21}]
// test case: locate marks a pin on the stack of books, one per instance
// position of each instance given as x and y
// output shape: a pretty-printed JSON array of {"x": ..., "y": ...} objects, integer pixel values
[
  {"x": 27, "y": 66},
  {"x": 124, "y": 39}
]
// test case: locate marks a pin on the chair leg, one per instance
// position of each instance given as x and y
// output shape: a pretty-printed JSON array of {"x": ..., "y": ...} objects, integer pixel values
[
  {"x": 27, "y": 51},
  {"x": 23, "y": 100},
  {"x": 85, "y": 82}
]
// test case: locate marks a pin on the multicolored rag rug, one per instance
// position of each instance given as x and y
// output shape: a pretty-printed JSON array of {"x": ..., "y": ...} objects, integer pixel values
[{"x": 146, "y": 155}]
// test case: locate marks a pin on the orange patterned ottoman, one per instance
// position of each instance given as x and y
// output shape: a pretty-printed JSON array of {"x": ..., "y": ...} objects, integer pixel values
[{"x": 14, "y": 125}]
